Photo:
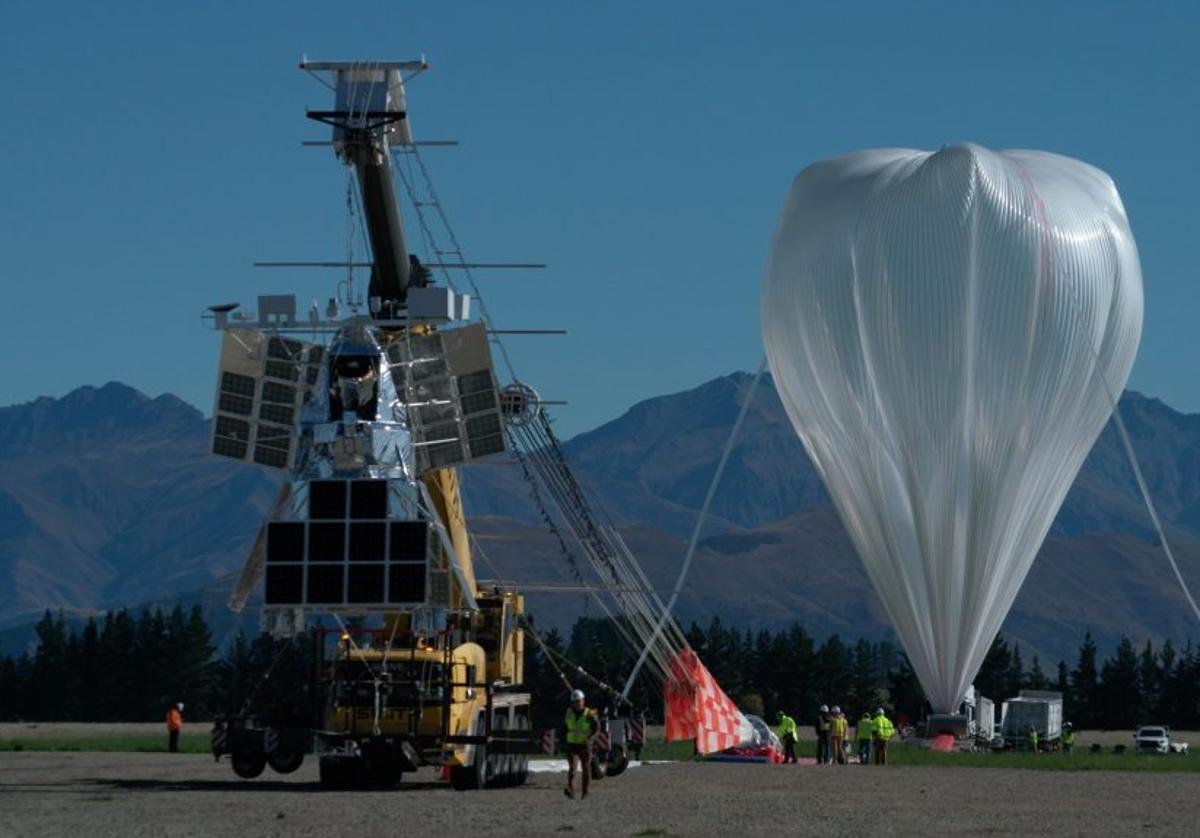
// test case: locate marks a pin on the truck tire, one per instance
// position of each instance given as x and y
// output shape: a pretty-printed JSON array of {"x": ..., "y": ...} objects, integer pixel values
[
  {"x": 522, "y": 760},
  {"x": 285, "y": 762},
  {"x": 598, "y": 768},
  {"x": 473, "y": 776},
  {"x": 248, "y": 766},
  {"x": 618, "y": 761},
  {"x": 342, "y": 773}
]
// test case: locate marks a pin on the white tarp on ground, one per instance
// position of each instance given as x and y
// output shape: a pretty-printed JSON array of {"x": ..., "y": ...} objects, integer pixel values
[{"x": 948, "y": 332}]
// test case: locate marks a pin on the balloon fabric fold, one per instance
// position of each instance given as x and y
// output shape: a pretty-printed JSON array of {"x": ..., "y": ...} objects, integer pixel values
[{"x": 948, "y": 332}]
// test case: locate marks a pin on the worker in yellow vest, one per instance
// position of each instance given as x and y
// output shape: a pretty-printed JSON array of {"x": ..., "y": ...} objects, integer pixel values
[
  {"x": 863, "y": 733},
  {"x": 787, "y": 735},
  {"x": 1033, "y": 739},
  {"x": 1068, "y": 738},
  {"x": 837, "y": 734},
  {"x": 579, "y": 724},
  {"x": 882, "y": 731}
]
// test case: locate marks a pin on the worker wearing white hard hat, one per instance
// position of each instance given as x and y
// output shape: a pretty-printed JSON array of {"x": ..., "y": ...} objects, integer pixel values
[
  {"x": 174, "y": 726},
  {"x": 579, "y": 725}
]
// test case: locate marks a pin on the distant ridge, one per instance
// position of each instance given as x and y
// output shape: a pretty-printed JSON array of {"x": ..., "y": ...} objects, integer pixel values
[{"x": 108, "y": 498}]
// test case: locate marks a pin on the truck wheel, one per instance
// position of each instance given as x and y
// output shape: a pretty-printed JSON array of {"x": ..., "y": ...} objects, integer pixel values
[
  {"x": 522, "y": 760},
  {"x": 499, "y": 760},
  {"x": 598, "y": 769},
  {"x": 470, "y": 777},
  {"x": 618, "y": 761},
  {"x": 342, "y": 773},
  {"x": 285, "y": 762},
  {"x": 248, "y": 766}
]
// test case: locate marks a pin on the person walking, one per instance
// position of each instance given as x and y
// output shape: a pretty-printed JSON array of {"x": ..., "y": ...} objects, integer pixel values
[
  {"x": 174, "y": 726},
  {"x": 837, "y": 735},
  {"x": 863, "y": 734},
  {"x": 822, "y": 730},
  {"x": 1032, "y": 738},
  {"x": 882, "y": 731},
  {"x": 787, "y": 735},
  {"x": 579, "y": 723}
]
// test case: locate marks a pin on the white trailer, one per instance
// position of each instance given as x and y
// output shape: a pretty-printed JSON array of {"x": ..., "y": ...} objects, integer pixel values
[{"x": 1041, "y": 710}]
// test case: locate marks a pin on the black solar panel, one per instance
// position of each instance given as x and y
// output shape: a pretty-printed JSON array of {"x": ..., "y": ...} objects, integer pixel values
[
  {"x": 285, "y": 541},
  {"x": 239, "y": 385},
  {"x": 366, "y": 584},
  {"x": 278, "y": 393},
  {"x": 325, "y": 584},
  {"x": 281, "y": 414},
  {"x": 232, "y": 428},
  {"x": 408, "y": 542},
  {"x": 368, "y": 499},
  {"x": 284, "y": 348},
  {"x": 368, "y": 542},
  {"x": 282, "y": 369},
  {"x": 327, "y": 542},
  {"x": 230, "y": 403},
  {"x": 327, "y": 500},
  {"x": 229, "y": 448}
]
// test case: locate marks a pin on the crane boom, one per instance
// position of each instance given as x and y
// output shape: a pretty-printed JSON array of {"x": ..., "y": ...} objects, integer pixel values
[{"x": 369, "y": 116}]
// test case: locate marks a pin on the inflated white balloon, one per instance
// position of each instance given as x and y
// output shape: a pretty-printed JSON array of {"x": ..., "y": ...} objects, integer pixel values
[{"x": 948, "y": 332}]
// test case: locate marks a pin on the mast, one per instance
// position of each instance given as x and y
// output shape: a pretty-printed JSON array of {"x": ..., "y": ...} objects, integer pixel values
[{"x": 369, "y": 116}]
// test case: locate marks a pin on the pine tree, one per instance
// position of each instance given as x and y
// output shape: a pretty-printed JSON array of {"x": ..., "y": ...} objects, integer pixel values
[
  {"x": 1149, "y": 679},
  {"x": 992, "y": 680},
  {"x": 863, "y": 687},
  {"x": 1016, "y": 672},
  {"x": 1037, "y": 679},
  {"x": 1063, "y": 685},
  {"x": 1120, "y": 698},
  {"x": 10, "y": 686},
  {"x": 50, "y": 670},
  {"x": 1085, "y": 687}
]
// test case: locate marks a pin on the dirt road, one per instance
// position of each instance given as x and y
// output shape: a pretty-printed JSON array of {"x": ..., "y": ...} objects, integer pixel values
[{"x": 96, "y": 794}]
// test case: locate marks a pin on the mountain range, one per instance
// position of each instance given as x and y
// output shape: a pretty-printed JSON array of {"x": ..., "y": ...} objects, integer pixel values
[{"x": 108, "y": 498}]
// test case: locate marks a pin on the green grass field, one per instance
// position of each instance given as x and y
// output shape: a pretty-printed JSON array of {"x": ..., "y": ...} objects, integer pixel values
[
  {"x": 189, "y": 743},
  {"x": 656, "y": 749}
]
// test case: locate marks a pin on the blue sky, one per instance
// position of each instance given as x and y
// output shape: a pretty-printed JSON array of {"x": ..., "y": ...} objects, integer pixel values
[{"x": 151, "y": 151}]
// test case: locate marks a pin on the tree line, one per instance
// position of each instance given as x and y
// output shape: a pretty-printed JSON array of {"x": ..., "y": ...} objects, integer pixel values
[{"x": 129, "y": 667}]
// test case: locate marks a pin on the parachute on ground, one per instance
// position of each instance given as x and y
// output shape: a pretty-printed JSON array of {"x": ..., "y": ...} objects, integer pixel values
[{"x": 949, "y": 332}]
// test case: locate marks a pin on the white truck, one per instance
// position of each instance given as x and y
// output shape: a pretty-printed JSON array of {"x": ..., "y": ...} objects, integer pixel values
[
  {"x": 1041, "y": 710},
  {"x": 974, "y": 720},
  {"x": 1156, "y": 739}
]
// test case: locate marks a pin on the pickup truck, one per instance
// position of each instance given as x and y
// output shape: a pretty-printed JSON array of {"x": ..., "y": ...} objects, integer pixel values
[{"x": 1156, "y": 740}]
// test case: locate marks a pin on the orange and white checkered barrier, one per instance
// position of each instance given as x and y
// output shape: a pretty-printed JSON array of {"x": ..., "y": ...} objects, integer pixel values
[{"x": 697, "y": 708}]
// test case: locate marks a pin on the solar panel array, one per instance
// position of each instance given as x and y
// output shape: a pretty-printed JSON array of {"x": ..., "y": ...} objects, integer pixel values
[
  {"x": 447, "y": 379},
  {"x": 348, "y": 555},
  {"x": 262, "y": 382}
]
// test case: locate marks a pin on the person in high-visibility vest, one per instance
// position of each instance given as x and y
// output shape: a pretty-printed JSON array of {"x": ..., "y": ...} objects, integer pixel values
[
  {"x": 882, "y": 731},
  {"x": 174, "y": 726},
  {"x": 787, "y": 735},
  {"x": 1068, "y": 738},
  {"x": 822, "y": 728},
  {"x": 863, "y": 733},
  {"x": 1033, "y": 738},
  {"x": 837, "y": 734},
  {"x": 579, "y": 724}
]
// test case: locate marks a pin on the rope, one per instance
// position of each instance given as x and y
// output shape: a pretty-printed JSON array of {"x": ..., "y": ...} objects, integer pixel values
[{"x": 708, "y": 498}]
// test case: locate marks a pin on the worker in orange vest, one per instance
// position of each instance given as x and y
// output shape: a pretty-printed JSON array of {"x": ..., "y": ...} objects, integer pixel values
[{"x": 174, "y": 725}]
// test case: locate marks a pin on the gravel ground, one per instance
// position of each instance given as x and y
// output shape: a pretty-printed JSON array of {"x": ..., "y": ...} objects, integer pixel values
[{"x": 111, "y": 794}]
